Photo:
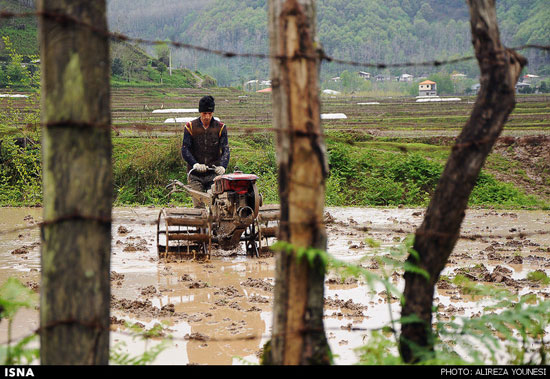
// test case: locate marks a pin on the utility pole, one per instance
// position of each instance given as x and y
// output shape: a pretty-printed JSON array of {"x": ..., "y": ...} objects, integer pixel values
[
  {"x": 77, "y": 183},
  {"x": 298, "y": 334}
]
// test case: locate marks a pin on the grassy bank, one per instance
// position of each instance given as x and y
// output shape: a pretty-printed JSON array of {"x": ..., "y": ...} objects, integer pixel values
[{"x": 363, "y": 172}]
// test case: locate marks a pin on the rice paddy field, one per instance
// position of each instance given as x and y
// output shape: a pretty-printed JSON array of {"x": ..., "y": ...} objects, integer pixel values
[
  {"x": 398, "y": 117},
  {"x": 132, "y": 113}
]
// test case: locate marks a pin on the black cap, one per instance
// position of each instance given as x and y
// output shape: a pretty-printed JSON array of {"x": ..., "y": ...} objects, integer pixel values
[{"x": 206, "y": 104}]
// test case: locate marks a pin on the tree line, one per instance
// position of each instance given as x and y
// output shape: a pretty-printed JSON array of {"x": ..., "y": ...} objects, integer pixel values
[{"x": 389, "y": 31}]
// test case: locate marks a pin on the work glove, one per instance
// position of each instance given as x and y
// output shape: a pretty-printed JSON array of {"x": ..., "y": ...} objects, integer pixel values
[
  {"x": 199, "y": 167},
  {"x": 220, "y": 170}
]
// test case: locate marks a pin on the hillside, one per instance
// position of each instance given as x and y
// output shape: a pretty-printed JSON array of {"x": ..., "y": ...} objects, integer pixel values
[
  {"x": 130, "y": 64},
  {"x": 21, "y": 32},
  {"x": 388, "y": 31}
]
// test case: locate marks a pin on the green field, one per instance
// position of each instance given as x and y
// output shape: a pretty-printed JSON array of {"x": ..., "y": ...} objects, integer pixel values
[{"x": 386, "y": 154}]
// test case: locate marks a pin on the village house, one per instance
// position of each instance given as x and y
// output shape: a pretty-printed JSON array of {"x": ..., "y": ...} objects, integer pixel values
[
  {"x": 405, "y": 78},
  {"x": 457, "y": 76},
  {"x": 427, "y": 88},
  {"x": 522, "y": 86},
  {"x": 365, "y": 75}
]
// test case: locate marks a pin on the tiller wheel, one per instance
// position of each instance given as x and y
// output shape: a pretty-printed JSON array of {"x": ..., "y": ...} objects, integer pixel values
[{"x": 184, "y": 232}]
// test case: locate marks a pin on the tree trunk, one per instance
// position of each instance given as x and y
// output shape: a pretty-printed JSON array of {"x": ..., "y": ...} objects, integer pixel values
[
  {"x": 436, "y": 237},
  {"x": 77, "y": 184},
  {"x": 298, "y": 332}
]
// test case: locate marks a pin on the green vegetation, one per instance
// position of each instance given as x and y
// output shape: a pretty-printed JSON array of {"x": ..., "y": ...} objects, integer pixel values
[
  {"x": 361, "y": 30},
  {"x": 133, "y": 67},
  {"x": 373, "y": 31},
  {"x": 20, "y": 174},
  {"x": 21, "y": 31},
  {"x": 18, "y": 72},
  {"x": 119, "y": 355},
  {"x": 539, "y": 276},
  {"x": 370, "y": 173},
  {"x": 13, "y": 297}
]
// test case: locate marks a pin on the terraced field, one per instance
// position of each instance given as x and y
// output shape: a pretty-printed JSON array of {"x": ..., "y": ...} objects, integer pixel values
[
  {"x": 132, "y": 113},
  {"x": 392, "y": 117}
]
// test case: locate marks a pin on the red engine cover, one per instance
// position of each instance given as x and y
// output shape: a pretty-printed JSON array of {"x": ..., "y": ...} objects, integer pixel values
[{"x": 237, "y": 182}]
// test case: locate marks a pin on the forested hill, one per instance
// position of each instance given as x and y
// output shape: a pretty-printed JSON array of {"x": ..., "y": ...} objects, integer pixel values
[{"x": 388, "y": 31}]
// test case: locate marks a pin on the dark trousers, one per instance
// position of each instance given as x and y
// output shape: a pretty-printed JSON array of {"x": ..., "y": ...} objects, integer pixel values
[{"x": 200, "y": 183}]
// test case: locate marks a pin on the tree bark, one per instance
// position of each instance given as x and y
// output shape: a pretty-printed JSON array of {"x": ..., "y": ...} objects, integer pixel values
[
  {"x": 77, "y": 184},
  {"x": 298, "y": 333},
  {"x": 437, "y": 236}
]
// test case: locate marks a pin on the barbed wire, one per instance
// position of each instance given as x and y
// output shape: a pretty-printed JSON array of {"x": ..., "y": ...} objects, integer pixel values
[{"x": 321, "y": 55}]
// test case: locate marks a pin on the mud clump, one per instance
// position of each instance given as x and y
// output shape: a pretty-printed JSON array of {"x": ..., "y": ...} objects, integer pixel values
[
  {"x": 499, "y": 275},
  {"x": 149, "y": 291},
  {"x": 230, "y": 292},
  {"x": 115, "y": 276},
  {"x": 34, "y": 286},
  {"x": 258, "y": 299},
  {"x": 197, "y": 284},
  {"x": 25, "y": 249},
  {"x": 346, "y": 281},
  {"x": 196, "y": 337},
  {"x": 142, "y": 308},
  {"x": 117, "y": 321},
  {"x": 139, "y": 245},
  {"x": 348, "y": 304},
  {"x": 329, "y": 219},
  {"x": 478, "y": 273},
  {"x": 445, "y": 285},
  {"x": 20, "y": 251},
  {"x": 185, "y": 278},
  {"x": 517, "y": 260},
  {"x": 123, "y": 230},
  {"x": 258, "y": 283}
]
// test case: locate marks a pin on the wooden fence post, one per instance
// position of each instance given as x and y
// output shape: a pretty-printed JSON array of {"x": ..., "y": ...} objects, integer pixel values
[
  {"x": 298, "y": 332},
  {"x": 437, "y": 236},
  {"x": 77, "y": 183}
]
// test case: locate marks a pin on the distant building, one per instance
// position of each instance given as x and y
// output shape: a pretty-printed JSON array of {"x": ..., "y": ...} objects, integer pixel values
[
  {"x": 251, "y": 85},
  {"x": 405, "y": 78},
  {"x": 330, "y": 92},
  {"x": 457, "y": 76},
  {"x": 365, "y": 75},
  {"x": 254, "y": 85},
  {"x": 336, "y": 79},
  {"x": 522, "y": 86},
  {"x": 380, "y": 78},
  {"x": 427, "y": 88},
  {"x": 530, "y": 76}
]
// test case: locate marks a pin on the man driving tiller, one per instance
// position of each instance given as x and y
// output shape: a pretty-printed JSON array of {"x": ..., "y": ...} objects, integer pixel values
[{"x": 205, "y": 148}]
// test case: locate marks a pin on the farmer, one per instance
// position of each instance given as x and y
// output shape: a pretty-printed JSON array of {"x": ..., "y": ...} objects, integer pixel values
[{"x": 205, "y": 146}]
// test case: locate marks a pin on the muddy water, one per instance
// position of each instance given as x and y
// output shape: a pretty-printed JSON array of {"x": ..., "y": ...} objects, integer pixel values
[{"x": 219, "y": 312}]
